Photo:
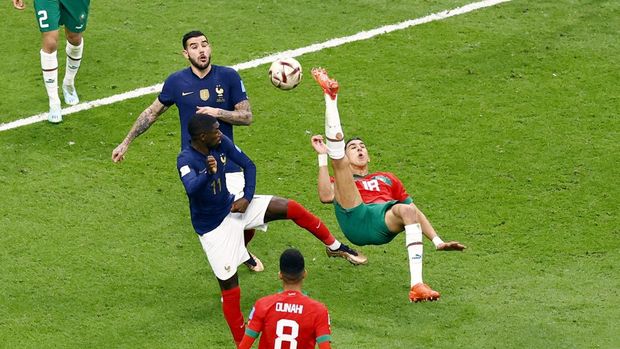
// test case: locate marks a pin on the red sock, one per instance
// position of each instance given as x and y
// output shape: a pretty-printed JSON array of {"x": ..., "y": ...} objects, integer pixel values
[
  {"x": 231, "y": 306},
  {"x": 308, "y": 221}
]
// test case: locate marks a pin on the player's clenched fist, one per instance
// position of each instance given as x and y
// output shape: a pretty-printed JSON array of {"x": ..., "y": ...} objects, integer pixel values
[{"x": 211, "y": 164}]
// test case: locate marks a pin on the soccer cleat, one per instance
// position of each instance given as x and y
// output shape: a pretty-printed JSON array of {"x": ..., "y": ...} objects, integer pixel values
[
  {"x": 71, "y": 97},
  {"x": 329, "y": 86},
  {"x": 344, "y": 251},
  {"x": 254, "y": 264},
  {"x": 55, "y": 114},
  {"x": 422, "y": 292}
]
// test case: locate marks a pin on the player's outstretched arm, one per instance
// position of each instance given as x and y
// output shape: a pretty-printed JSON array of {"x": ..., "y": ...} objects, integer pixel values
[
  {"x": 19, "y": 4},
  {"x": 144, "y": 121},
  {"x": 431, "y": 234},
  {"x": 242, "y": 115},
  {"x": 324, "y": 185},
  {"x": 451, "y": 246}
]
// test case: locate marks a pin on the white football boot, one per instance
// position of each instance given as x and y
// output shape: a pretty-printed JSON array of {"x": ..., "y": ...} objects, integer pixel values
[
  {"x": 55, "y": 114},
  {"x": 71, "y": 97}
]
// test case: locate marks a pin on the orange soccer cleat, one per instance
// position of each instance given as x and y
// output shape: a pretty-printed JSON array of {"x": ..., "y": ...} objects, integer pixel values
[
  {"x": 422, "y": 292},
  {"x": 329, "y": 85}
]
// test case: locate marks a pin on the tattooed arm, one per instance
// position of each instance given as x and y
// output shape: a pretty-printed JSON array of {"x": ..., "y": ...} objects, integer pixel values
[
  {"x": 144, "y": 121},
  {"x": 242, "y": 115}
]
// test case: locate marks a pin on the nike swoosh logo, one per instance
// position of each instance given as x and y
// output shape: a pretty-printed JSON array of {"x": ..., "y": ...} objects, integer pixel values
[
  {"x": 318, "y": 225},
  {"x": 186, "y": 93},
  {"x": 80, "y": 27}
]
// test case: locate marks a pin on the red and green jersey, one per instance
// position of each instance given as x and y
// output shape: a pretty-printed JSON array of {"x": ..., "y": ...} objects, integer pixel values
[
  {"x": 380, "y": 187},
  {"x": 287, "y": 320}
]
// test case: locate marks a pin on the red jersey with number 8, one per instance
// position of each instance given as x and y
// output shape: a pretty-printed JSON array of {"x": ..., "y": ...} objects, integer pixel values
[{"x": 287, "y": 320}]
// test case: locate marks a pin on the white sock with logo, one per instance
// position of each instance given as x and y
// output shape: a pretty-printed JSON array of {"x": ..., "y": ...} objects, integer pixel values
[
  {"x": 413, "y": 240},
  {"x": 333, "y": 129},
  {"x": 49, "y": 65},
  {"x": 74, "y": 58}
]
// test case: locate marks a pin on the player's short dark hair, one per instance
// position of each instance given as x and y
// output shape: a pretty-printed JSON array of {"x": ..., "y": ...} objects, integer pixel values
[
  {"x": 292, "y": 265},
  {"x": 351, "y": 140},
  {"x": 192, "y": 34},
  {"x": 200, "y": 123}
]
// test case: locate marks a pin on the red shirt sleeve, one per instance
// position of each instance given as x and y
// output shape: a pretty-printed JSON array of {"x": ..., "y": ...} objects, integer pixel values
[
  {"x": 323, "y": 326},
  {"x": 257, "y": 321}
]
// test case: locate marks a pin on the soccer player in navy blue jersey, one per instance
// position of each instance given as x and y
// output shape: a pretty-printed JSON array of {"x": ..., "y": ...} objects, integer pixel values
[
  {"x": 219, "y": 219},
  {"x": 201, "y": 88}
]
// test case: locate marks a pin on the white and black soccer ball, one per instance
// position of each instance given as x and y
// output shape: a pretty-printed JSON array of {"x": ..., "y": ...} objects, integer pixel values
[{"x": 285, "y": 73}]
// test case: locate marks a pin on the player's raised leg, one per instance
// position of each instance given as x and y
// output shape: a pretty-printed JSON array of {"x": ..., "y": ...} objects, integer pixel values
[
  {"x": 345, "y": 192},
  {"x": 281, "y": 208}
]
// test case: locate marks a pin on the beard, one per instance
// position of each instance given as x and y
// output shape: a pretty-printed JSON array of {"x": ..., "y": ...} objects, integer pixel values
[{"x": 198, "y": 65}]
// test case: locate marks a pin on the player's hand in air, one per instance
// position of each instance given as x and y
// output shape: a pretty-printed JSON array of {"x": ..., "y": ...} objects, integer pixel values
[
  {"x": 211, "y": 164},
  {"x": 240, "y": 205},
  {"x": 451, "y": 246},
  {"x": 318, "y": 144},
  {"x": 19, "y": 4},
  {"x": 118, "y": 154},
  {"x": 208, "y": 111}
]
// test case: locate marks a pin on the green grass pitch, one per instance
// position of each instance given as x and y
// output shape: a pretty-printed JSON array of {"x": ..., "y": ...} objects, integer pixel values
[{"x": 503, "y": 123}]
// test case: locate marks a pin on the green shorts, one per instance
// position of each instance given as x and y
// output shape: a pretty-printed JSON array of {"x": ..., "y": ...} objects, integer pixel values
[
  {"x": 51, "y": 14},
  {"x": 365, "y": 223}
]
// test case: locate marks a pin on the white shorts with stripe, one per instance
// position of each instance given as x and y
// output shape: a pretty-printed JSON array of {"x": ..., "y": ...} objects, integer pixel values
[{"x": 224, "y": 245}]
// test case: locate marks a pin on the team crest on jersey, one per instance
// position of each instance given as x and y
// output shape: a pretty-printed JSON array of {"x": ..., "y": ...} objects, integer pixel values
[
  {"x": 220, "y": 93},
  {"x": 204, "y": 94},
  {"x": 223, "y": 159}
]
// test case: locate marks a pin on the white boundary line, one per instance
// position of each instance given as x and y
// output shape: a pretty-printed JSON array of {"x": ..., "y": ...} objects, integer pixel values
[{"x": 268, "y": 59}]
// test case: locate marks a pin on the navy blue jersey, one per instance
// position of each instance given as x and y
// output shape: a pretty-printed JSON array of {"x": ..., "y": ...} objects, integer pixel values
[
  {"x": 221, "y": 88},
  {"x": 209, "y": 199}
]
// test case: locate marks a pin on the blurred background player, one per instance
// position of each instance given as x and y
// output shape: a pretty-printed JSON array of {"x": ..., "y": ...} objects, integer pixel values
[
  {"x": 371, "y": 208},
  {"x": 289, "y": 316},
  {"x": 207, "y": 89},
  {"x": 51, "y": 14},
  {"x": 220, "y": 219}
]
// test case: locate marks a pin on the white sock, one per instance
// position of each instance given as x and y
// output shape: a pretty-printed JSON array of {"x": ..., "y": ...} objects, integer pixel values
[
  {"x": 333, "y": 130},
  {"x": 336, "y": 245},
  {"x": 74, "y": 57},
  {"x": 49, "y": 65},
  {"x": 413, "y": 240}
]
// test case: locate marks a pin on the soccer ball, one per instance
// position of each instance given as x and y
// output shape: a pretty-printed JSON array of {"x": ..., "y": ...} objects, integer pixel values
[{"x": 285, "y": 73}]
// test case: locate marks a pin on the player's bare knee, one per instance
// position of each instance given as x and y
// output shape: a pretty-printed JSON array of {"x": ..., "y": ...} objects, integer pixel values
[
  {"x": 408, "y": 211},
  {"x": 277, "y": 209},
  {"x": 74, "y": 39}
]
